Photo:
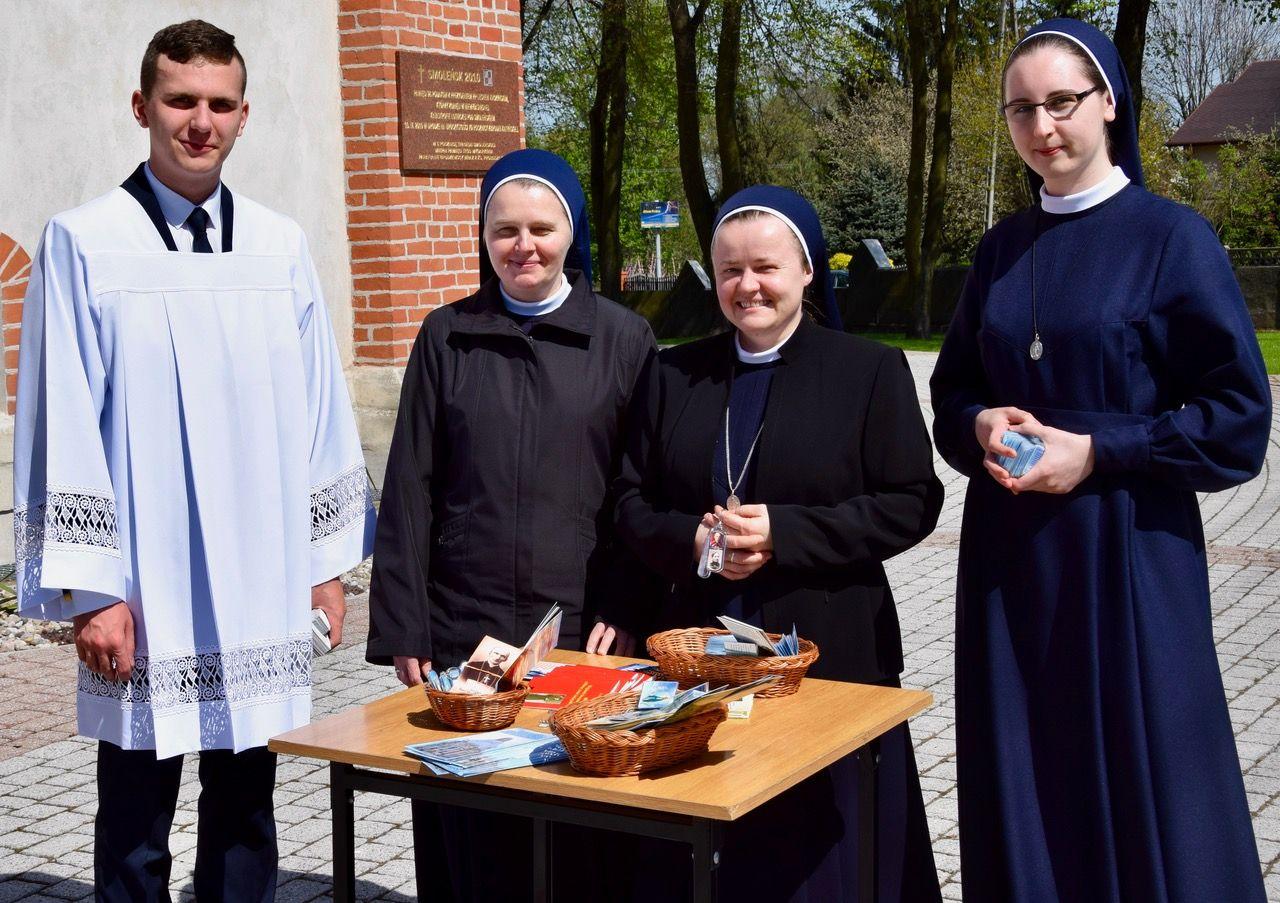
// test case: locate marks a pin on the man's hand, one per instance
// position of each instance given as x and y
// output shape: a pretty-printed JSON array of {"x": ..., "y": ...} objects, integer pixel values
[
  {"x": 105, "y": 641},
  {"x": 329, "y": 597},
  {"x": 411, "y": 671}
]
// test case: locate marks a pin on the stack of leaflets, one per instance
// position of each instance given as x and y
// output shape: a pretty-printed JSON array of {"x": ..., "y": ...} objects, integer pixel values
[
  {"x": 496, "y": 666},
  {"x": 683, "y": 705},
  {"x": 573, "y": 683},
  {"x": 750, "y": 640},
  {"x": 484, "y": 753}
]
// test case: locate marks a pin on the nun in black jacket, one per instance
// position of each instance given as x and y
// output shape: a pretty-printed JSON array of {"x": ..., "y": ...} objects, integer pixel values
[{"x": 816, "y": 438}]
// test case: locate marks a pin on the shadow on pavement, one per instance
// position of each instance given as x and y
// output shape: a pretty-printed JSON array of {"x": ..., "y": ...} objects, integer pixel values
[{"x": 292, "y": 887}]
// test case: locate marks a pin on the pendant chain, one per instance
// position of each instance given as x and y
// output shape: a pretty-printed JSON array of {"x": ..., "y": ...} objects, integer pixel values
[
  {"x": 1037, "y": 348},
  {"x": 728, "y": 466}
]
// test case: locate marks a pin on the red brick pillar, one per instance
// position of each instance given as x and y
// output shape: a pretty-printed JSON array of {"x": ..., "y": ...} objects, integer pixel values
[
  {"x": 413, "y": 238},
  {"x": 15, "y": 270}
]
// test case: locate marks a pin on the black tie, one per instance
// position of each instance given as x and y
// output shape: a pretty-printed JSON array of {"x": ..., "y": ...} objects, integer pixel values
[{"x": 198, "y": 223}]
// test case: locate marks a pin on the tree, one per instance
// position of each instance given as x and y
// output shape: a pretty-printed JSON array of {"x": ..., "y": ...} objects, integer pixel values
[
  {"x": 728, "y": 61},
  {"x": 608, "y": 123},
  {"x": 1130, "y": 39},
  {"x": 927, "y": 194},
  {"x": 684, "y": 34},
  {"x": 1197, "y": 45}
]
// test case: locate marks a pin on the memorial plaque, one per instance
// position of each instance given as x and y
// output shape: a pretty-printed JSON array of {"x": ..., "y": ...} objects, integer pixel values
[{"x": 457, "y": 113}]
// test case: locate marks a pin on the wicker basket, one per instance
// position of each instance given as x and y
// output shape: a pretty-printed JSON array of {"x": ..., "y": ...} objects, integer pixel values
[
  {"x": 616, "y": 753},
  {"x": 477, "y": 713},
  {"x": 682, "y": 656}
]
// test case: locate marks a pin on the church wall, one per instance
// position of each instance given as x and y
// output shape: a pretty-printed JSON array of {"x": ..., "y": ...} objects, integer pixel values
[
  {"x": 413, "y": 238},
  {"x": 67, "y": 133}
]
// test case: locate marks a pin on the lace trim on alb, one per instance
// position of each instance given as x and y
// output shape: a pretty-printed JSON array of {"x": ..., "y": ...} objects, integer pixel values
[
  {"x": 69, "y": 518},
  {"x": 245, "y": 674},
  {"x": 340, "y": 503}
]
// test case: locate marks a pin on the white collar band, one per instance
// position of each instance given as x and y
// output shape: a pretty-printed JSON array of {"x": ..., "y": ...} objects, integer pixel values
[
  {"x": 525, "y": 175},
  {"x": 804, "y": 245},
  {"x": 768, "y": 356},
  {"x": 1109, "y": 187},
  {"x": 538, "y": 308}
]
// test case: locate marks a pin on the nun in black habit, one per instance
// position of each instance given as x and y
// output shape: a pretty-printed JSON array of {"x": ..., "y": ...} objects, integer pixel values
[
  {"x": 496, "y": 500},
  {"x": 819, "y": 436}
]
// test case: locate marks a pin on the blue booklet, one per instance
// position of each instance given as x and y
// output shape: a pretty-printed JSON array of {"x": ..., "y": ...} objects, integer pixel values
[{"x": 488, "y": 752}]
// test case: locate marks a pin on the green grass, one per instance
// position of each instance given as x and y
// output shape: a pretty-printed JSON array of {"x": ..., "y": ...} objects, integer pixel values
[
  {"x": 1269, "y": 339},
  {"x": 900, "y": 340}
]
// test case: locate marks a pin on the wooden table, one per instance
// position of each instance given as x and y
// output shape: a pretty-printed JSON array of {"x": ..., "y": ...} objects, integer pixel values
[{"x": 749, "y": 762}]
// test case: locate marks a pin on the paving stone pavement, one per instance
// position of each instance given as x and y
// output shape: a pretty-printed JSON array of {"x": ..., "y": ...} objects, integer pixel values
[{"x": 46, "y": 774}]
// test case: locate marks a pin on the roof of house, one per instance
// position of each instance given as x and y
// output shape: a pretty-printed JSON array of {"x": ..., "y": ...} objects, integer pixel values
[{"x": 1250, "y": 105}]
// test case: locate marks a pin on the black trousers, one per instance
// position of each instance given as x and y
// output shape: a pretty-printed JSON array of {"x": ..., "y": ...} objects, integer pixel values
[{"x": 236, "y": 858}]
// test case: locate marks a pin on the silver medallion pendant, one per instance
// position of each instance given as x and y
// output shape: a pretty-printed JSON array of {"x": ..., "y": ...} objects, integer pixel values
[
  {"x": 731, "y": 503},
  {"x": 1037, "y": 350}
]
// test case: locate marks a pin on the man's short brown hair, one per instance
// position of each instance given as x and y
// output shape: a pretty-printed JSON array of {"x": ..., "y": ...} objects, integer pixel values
[{"x": 186, "y": 41}]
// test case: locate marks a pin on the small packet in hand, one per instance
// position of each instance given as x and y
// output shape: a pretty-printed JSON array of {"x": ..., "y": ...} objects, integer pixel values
[
  {"x": 1029, "y": 450},
  {"x": 320, "y": 643},
  {"x": 712, "y": 561}
]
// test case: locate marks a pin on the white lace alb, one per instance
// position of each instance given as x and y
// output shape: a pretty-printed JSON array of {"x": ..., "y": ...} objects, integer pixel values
[{"x": 339, "y": 504}]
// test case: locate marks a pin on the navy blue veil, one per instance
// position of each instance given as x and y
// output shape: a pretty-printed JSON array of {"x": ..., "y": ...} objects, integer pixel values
[
  {"x": 556, "y": 174},
  {"x": 802, "y": 219}
]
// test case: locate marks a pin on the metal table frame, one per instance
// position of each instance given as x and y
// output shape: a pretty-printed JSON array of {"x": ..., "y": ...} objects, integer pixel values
[{"x": 703, "y": 835}]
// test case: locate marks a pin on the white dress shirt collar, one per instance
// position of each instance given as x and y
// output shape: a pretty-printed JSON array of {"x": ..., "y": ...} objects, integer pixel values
[{"x": 176, "y": 209}]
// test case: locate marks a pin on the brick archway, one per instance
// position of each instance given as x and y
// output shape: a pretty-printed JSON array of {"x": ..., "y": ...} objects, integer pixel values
[{"x": 15, "y": 270}]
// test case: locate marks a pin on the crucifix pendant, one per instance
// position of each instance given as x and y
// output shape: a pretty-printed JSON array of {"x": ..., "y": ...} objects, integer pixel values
[{"x": 732, "y": 504}]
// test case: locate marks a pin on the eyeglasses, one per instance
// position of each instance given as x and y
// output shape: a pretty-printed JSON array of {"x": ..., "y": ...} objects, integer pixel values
[{"x": 1060, "y": 106}]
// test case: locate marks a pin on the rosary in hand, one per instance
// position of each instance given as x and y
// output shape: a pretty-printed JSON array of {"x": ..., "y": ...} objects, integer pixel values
[{"x": 713, "y": 547}]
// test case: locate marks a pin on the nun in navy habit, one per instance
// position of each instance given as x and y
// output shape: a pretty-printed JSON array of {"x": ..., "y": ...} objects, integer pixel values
[
  {"x": 817, "y": 439},
  {"x": 496, "y": 499},
  {"x": 1095, "y": 754}
]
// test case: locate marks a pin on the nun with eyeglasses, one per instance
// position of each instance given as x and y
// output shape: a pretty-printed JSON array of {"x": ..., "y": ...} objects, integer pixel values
[
  {"x": 808, "y": 446},
  {"x": 496, "y": 501},
  {"x": 1096, "y": 759}
]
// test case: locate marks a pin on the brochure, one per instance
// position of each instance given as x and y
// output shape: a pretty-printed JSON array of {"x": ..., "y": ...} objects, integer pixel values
[
  {"x": 686, "y": 705},
  {"x": 573, "y": 683},
  {"x": 495, "y": 666},
  {"x": 488, "y": 752},
  {"x": 788, "y": 644}
]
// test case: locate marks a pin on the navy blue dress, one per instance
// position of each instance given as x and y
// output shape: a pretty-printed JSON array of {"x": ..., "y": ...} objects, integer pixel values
[{"x": 1095, "y": 753}]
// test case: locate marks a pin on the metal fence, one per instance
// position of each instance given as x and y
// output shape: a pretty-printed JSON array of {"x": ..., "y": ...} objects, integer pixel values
[
  {"x": 641, "y": 283},
  {"x": 1254, "y": 257}
]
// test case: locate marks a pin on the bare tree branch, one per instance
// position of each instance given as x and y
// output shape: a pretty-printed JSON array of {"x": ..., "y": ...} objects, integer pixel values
[{"x": 531, "y": 33}]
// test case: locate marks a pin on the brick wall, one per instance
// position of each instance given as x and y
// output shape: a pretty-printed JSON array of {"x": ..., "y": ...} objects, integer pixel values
[
  {"x": 413, "y": 238},
  {"x": 15, "y": 270}
]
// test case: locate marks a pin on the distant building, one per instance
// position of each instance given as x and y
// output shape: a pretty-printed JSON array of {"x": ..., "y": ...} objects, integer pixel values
[{"x": 1248, "y": 106}]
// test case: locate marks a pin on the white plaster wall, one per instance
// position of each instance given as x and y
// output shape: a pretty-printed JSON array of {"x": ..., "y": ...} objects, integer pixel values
[{"x": 68, "y": 68}]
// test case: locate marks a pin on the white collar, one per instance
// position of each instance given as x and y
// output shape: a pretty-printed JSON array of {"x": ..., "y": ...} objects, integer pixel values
[
  {"x": 1115, "y": 181},
  {"x": 176, "y": 208},
  {"x": 768, "y": 356},
  {"x": 537, "y": 308}
]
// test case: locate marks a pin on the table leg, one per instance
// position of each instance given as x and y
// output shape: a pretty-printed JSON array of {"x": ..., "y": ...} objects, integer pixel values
[
  {"x": 707, "y": 841},
  {"x": 868, "y": 841},
  {"x": 342, "y": 802},
  {"x": 543, "y": 891}
]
